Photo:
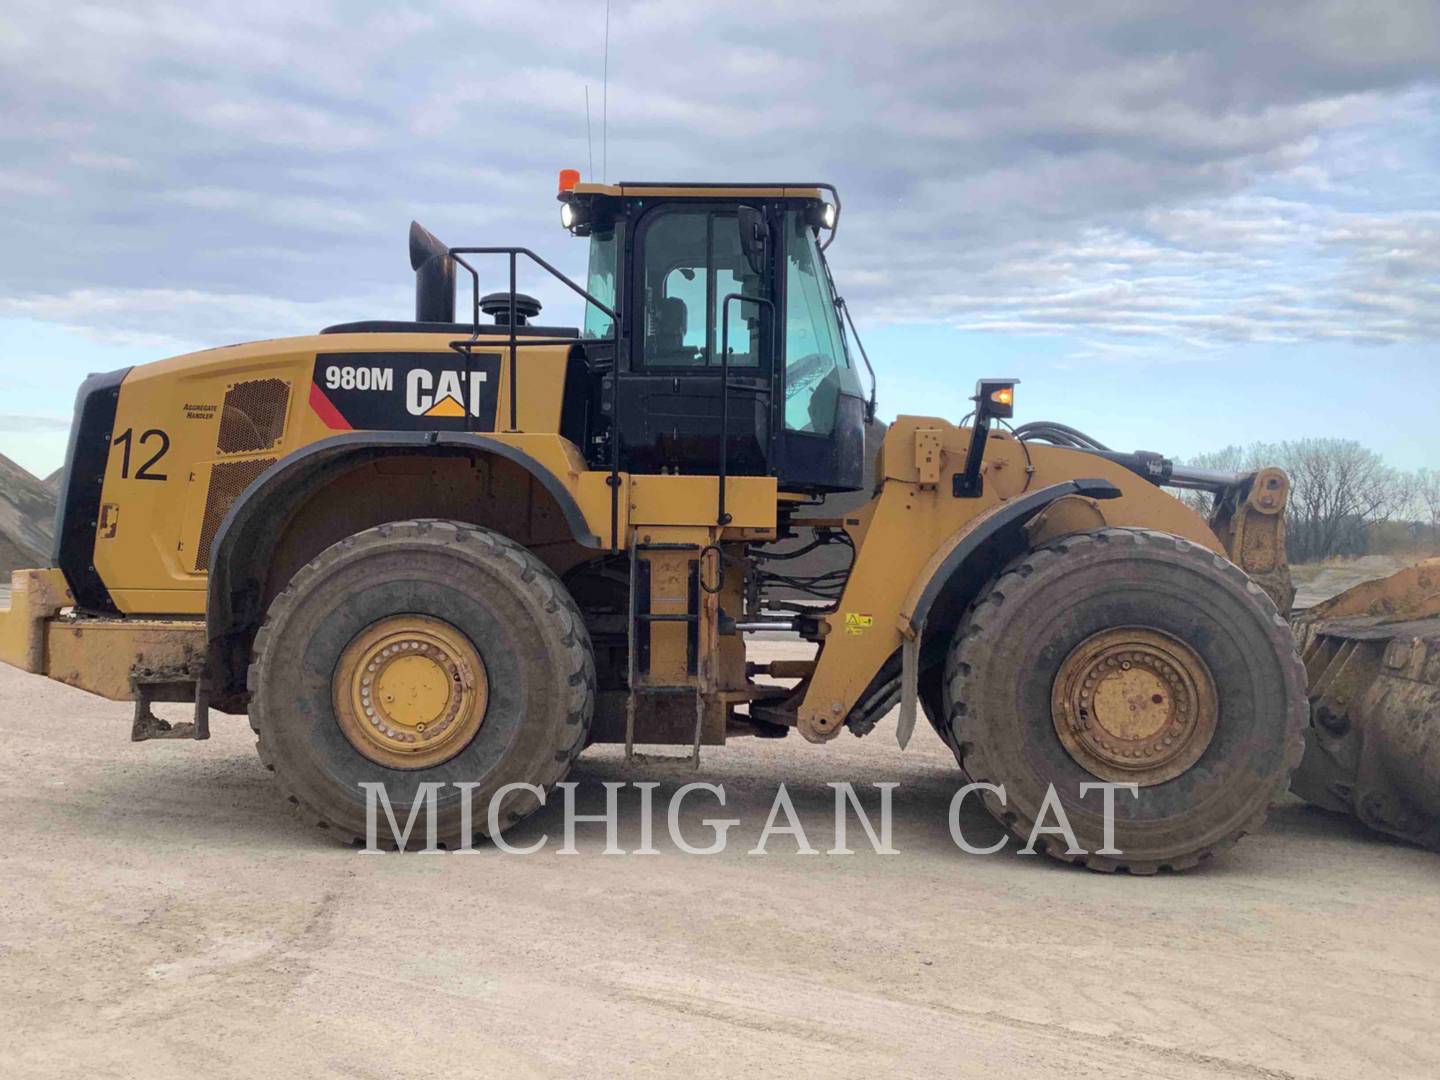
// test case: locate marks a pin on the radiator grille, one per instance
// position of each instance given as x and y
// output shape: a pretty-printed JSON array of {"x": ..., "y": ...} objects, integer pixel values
[
  {"x": 254, "y": 416},
  {"x": 227, "y": 480}
]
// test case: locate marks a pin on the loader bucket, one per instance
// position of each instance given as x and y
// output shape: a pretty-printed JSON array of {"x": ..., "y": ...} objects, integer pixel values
[{"x": 1372, "y": 664}]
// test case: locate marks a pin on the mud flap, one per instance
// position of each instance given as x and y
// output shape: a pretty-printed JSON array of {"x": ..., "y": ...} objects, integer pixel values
[{"x": 909, "y": 686}]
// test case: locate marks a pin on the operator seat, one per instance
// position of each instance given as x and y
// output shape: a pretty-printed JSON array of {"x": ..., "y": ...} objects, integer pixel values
[{"x": 672, "y": 319}]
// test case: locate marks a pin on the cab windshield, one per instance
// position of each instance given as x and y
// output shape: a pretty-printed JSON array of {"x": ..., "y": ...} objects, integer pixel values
[{"x": 817, "y": 367}]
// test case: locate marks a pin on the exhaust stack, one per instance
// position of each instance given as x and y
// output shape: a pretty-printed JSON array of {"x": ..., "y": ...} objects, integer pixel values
[{"x": 434, "y": 276}]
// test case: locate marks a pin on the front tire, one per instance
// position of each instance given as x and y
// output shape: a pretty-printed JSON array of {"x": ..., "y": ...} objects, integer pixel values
[
  {"x": 420, "y": 652},
  {"x": 1121, "y": 656}
]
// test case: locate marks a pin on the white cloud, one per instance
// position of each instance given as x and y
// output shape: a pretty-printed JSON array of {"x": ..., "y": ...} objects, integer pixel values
[
  {"x": 181, "y": 320},
  {"x": 1206, "y": 176},
  {"x": 11, "y": 422},
  {"x": 1238, "y": 269}
]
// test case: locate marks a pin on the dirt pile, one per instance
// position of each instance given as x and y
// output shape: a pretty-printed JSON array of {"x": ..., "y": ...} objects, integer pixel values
[{"x": 27, "y": 516}]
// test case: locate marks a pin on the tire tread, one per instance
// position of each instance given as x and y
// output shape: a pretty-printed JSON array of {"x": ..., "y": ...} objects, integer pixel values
[
  {"x": 976, "y": 636},
  {"x": 482, "y": 544}
]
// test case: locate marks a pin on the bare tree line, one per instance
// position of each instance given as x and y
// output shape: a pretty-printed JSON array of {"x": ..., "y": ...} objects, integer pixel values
[{"x": 1342, "y": 495}]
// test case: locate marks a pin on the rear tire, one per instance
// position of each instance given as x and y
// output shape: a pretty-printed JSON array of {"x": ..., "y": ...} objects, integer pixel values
[
  {"x": 1067, "y": 600},
  {"x": 483, "y": 592}
]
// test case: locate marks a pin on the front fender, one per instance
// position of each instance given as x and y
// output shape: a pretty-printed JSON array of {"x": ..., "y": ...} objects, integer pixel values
[
  {"x": 1001, "y": 527},
  {"x": 876, "y": 634}
]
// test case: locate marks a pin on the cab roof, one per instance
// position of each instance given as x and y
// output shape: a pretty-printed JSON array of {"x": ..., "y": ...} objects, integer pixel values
[{"x": 706, "y": 190}]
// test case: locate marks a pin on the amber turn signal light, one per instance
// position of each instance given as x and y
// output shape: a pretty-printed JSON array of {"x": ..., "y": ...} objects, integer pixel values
[{"x": 995, "y": 397}]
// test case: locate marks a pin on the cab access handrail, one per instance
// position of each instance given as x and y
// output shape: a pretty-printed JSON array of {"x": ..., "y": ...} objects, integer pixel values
[{"x": 513, "y": 253}]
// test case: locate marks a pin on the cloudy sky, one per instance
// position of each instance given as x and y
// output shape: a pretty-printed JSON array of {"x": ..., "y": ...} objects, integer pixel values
[{"x": 1182, "y": 225}]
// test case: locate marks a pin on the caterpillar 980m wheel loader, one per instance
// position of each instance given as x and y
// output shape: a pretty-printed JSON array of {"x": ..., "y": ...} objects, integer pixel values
[{"x": 441, "y": 551}]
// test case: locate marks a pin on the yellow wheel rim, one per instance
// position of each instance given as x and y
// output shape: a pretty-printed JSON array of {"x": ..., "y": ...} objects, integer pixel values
[
  {"x": 410, "y": 691},
  {"x": 1134, "y": 705}
]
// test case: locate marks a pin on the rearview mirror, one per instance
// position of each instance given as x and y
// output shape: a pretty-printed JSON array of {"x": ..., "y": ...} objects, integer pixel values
[{"x": 755, "y": 238}]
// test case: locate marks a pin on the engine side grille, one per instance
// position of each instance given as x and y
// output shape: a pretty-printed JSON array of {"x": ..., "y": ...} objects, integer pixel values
[
  {"x": 254, "y": 416},
  {"x": 227, "y": 480}
]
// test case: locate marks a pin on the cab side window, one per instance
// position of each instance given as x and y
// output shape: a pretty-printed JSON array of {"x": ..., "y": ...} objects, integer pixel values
[{"x": 692, "y": 261}]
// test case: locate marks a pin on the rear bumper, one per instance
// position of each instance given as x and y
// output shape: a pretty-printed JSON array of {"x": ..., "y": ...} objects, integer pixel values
[
  {"x": 36, "y": 597},
  {"x": 106, "y": 656}
]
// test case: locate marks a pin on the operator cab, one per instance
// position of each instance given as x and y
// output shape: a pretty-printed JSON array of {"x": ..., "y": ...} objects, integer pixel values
[{"x": 728, "y": 323}]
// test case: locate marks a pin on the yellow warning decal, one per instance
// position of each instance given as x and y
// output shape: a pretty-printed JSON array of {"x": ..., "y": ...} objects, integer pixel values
[{"x": 856, "y": 623}]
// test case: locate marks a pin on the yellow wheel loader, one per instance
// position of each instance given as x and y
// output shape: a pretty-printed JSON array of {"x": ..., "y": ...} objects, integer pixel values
[{"x": 459, "y": 551}]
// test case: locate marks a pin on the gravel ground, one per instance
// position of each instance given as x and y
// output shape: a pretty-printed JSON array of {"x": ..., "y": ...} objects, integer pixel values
[{"x": 161, "y": 915}]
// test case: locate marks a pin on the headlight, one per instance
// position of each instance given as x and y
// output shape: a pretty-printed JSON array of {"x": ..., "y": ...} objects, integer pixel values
[
  {"x": 827, "y": 215},
  {"x": 567, "y": 215}
]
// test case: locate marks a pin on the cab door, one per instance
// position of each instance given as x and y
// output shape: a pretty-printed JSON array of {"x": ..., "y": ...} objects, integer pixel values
[{"x": 687, "y": 257}]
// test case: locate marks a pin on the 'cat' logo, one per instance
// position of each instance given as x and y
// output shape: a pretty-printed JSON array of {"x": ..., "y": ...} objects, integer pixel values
[
  {"x": 406, "y": 391},
  {"x": 445, "y": 393}
]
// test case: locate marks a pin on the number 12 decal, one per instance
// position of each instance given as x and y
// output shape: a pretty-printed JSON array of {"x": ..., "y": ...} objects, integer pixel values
[{"x": 126, "y": 437}]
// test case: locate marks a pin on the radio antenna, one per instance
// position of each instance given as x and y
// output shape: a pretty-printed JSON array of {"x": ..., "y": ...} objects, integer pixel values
[
  {"x": 589, "y": 138},
  {"x": 605, "y": 105}
]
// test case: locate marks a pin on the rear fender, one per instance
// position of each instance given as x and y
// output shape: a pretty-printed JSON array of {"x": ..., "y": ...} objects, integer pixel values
[{"x": 242, "y": 554}]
